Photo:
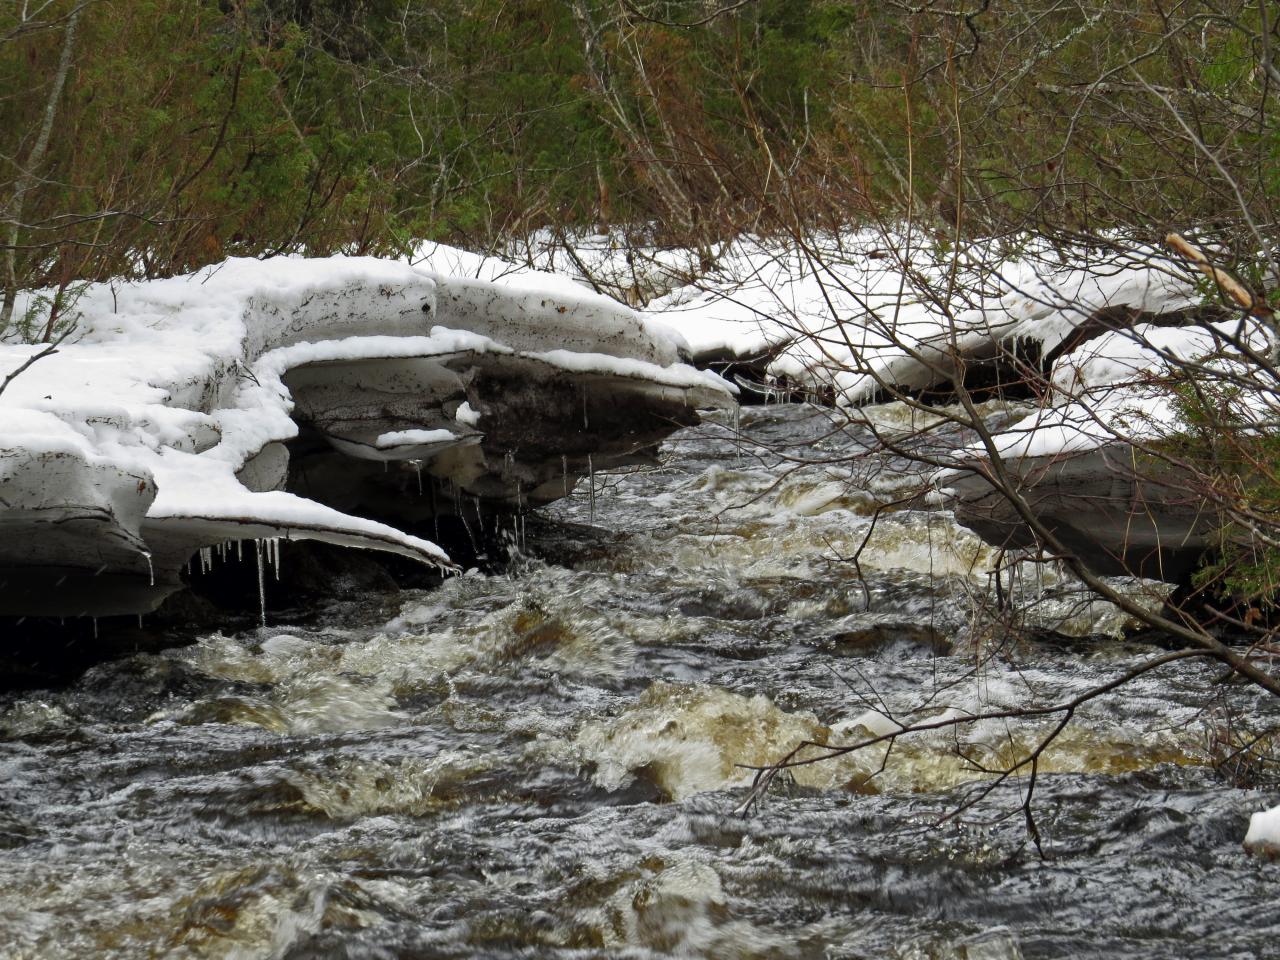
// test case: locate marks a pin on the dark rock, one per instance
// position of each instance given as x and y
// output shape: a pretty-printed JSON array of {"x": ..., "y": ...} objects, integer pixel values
[
  {"x": 871, "y": 635},
  {"x": 1121, "y": 512},
  {"x": 132, "y": 688},
  {"x": 1121, "y": 317}
]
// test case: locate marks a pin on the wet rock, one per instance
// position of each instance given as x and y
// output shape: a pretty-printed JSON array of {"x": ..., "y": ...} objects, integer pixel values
[
  {"x": 1121, "y": 513},
  {"x": 128, "y": 690},
  {"x": 15, "y": 832},
  {"x": 308, "y": 573},
  {"x": 734, "y": 604},
  {"x": 872, "y": 635}
]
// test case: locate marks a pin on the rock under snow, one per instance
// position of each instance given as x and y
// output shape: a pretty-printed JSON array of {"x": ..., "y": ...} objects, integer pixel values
[
  {"x": 1091, "y": 463},
  {"x": 177, "y": 412},
  {"x": 1120, "y": 512}
]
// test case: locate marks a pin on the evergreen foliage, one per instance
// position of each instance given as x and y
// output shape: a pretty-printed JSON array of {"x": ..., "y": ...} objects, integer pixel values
[{"x": 192, "y": 130}]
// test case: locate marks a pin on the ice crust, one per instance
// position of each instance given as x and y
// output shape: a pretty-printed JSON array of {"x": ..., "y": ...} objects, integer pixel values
[{"x": 157, "y": 427}]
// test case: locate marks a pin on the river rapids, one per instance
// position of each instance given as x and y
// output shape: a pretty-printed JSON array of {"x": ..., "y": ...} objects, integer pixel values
[{"x": 545, "y": 761}]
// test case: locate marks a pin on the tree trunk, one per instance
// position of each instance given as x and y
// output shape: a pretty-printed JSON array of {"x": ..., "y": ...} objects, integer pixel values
[{"x": 27, "y": 178}]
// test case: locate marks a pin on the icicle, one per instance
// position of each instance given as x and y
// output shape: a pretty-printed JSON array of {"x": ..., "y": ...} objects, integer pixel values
[
  {"x": 275, "y": 556},
  {"x": 139, "y": 621},
  {"x": 262, "y": 585},
  {"x": 435, "y": 512},
  {"x": 585, "y": 424},
  {"x": 239, "y": 555},
  {"x": 564, "y": 472},
  {"x": 417, "y": 469},
  {"x": 466, "y": 526},
  {"x": 591, "y": 476},
  {"x": 475, "y": 502},
  {"x": 737, "y": 431},
  {"x": 151, "y": 570},
  {"x": 95, "y": 628}
]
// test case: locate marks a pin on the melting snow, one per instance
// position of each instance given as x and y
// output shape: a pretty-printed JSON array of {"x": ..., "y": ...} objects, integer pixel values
[{"x": 162, "y": 407}]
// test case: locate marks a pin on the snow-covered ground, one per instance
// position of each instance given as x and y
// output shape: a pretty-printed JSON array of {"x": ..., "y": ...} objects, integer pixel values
[
  {"x": 1116, "y": 388},
  {"x": 854, "y": 313},
  {"x": 168, "y": 404},
  {"x": 161, "y": 416}
]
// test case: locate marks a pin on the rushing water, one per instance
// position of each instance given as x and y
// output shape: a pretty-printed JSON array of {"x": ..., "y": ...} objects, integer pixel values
[{"x": 544, "y": 762}]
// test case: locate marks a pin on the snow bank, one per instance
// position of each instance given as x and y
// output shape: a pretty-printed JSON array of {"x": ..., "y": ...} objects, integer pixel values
[
  {"x": 847, "y": 314},
  {"x": 1116, "y": 388},
  {"x": 859, "y": 311},
  {"x": 603, "y": 269},
  {"x": 159, "y": 426},
  {"x": 1264, "y": 833}
]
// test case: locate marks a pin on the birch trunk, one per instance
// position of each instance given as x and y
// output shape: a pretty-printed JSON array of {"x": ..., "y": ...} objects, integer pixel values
[{"x": 12, "y": 214}]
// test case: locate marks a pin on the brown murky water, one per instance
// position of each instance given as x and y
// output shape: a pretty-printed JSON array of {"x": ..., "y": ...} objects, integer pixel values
[{"x": 544, "y": 763}]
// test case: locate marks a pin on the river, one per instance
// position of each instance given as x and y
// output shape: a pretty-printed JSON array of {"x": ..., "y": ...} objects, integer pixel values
[{"x": 543, "y": 761}]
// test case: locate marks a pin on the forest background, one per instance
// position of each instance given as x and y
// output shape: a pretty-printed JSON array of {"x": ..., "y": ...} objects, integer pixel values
[{"x": 149, "y": 137}]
